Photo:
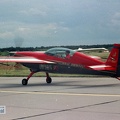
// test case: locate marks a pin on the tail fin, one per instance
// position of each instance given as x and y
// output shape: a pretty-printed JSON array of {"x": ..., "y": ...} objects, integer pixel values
[{"x": 114, "y": 59}]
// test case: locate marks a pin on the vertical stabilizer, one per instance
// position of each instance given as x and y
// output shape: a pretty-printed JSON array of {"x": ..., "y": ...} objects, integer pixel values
[{"x": 114, "y": 59}]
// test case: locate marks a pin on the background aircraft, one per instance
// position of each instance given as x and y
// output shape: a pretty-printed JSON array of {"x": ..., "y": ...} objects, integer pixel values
[
  {"x": 92, "y": 49},
  {"x": 63, "y": 60}
]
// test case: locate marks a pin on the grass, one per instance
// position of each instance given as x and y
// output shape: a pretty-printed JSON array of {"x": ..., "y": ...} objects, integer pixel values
[{"x": 102, "y": 55}]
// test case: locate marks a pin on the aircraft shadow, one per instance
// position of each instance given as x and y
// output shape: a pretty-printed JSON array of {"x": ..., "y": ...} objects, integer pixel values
[{"x": 67, "y": 84}]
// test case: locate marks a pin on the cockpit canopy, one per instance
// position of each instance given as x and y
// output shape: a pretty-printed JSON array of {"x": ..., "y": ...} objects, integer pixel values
[{"x": 60, "y": 52}]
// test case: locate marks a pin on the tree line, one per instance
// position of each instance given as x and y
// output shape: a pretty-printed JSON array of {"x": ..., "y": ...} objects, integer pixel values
[
  {"x": 5, "y": 51},
  {"x": 107, "y": 46}
]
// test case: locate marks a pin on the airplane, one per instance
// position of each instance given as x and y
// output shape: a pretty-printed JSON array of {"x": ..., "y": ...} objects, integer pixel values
[
  {"x": 64, "y": 60},
  {"x": 93, "y": 49}
]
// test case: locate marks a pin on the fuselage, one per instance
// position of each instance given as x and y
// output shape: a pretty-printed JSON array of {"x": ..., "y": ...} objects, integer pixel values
[{"x": 77, "y": 63}]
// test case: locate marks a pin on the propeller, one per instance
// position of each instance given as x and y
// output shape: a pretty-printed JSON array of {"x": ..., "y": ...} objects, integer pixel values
[{"x": 18, "y": 41}]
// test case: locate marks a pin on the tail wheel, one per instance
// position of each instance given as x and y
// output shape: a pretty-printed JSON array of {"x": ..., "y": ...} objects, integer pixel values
[
  {"x": 48, "y": 80},
  {"x": 24, "y": 82}
]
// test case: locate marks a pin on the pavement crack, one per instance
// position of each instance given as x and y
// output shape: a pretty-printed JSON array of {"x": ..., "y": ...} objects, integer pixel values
[{"x": 66, "y": 110}]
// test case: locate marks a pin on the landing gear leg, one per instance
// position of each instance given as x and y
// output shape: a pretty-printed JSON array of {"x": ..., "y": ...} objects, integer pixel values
[
  {"x": 48, "y": 78},
  {"x": 25, "y": 81},
  {"x": 118, "y": 78}
]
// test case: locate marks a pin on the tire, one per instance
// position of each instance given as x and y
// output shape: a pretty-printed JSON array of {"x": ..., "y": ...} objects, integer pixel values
[
  {"x": 48, "y": 80},
  {"x": 24, "y": 82}
]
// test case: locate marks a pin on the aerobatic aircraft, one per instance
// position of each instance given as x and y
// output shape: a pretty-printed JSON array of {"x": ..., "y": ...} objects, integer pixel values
[{"x": 64, "y": 60}]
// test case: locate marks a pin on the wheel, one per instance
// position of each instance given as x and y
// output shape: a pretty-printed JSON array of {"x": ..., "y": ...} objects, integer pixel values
[
  {"x": 48, "y": 80},
  {"x": 24, "y": 82}
]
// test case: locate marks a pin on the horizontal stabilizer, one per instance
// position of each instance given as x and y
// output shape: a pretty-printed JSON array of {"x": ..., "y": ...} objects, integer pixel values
[{"x": 102, "y": 67}]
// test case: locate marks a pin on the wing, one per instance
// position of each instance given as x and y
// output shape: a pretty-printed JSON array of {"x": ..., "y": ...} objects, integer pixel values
[{"x": 22, "y": 60}]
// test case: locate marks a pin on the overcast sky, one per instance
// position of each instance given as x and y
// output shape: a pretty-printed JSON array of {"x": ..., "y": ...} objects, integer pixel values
[{"x": 31, "y": 23}]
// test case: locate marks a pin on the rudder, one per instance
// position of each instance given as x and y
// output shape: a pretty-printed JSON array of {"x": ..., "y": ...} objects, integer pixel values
[{"x": 114, "y": 59}]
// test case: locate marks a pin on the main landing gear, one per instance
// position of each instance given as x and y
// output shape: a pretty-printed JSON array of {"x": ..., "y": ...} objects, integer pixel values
[
  {"x": 48, "y": 78},
  {"x": 118, "y": 78},
  {"x": 25, "y": 81}
]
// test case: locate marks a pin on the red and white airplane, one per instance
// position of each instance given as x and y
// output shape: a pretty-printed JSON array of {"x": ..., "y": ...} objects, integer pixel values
[{"x": 63, "y": 60}]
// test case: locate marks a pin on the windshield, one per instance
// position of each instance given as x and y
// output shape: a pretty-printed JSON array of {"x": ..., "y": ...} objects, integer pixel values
[{"x": 60, "y": 52}]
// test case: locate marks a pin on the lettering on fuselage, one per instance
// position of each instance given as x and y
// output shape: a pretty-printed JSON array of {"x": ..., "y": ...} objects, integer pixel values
[
  {"x": 55, "y": 67},
  {"x": 71, "y": 65},
  {"x": 46, "y": 67}
]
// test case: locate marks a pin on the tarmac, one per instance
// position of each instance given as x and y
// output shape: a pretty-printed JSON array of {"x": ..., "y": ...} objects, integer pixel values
[{"x": 66, "y": 98}]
